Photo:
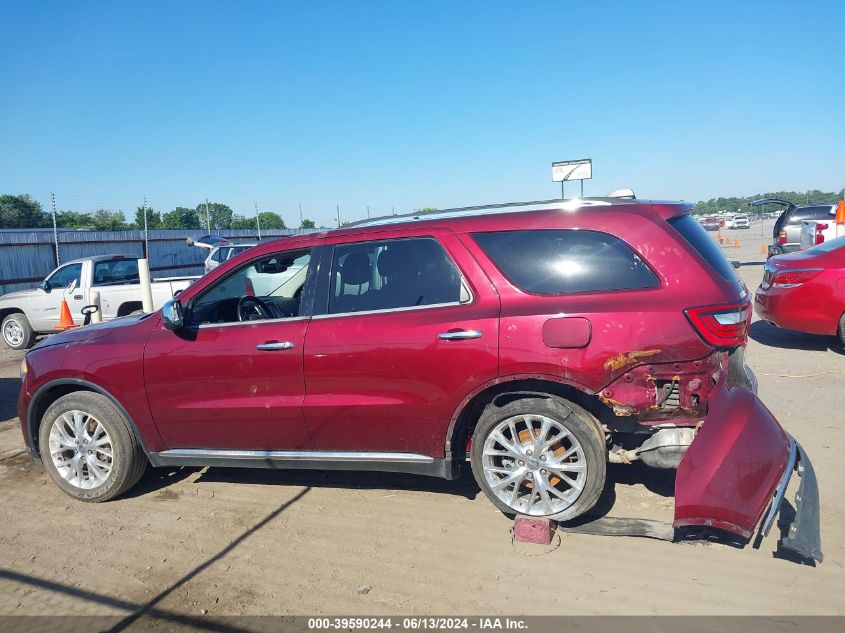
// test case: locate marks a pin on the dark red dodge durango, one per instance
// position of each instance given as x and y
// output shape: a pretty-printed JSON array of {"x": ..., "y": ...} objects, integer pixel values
[{"x": 538, "y": 342}]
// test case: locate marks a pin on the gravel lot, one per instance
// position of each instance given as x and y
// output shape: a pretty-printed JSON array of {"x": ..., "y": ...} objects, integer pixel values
[{"x": 221, "y": 542}]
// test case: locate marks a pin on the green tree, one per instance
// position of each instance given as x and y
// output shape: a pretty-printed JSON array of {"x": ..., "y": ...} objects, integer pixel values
[
  {"x": 21, "y": 212},
  {"x": 153, "y": 219},
  {"x": 220, "y": 215},
  {"x": 271, "y": 220},
  {"x": 74, "y": 220},
  {"x": 181, "y": 218},
  {"x": 242, "y": 222},
  {"x": 105, "y": 220},
  {"x": 308, "y": 224}
]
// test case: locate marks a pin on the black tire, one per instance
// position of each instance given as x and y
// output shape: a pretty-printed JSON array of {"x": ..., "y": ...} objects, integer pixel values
[
  {"x": 576, "y": 420},
  {"x": 841, "y": 330},
  {"x": 19, "y": 334},
  {"x": 128, "y": 461}
]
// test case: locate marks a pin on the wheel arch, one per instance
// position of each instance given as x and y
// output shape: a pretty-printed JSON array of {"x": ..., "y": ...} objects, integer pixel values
[
  {"x": 128, "y": 307},
  {"x": 51, "y": 391},
  {"x": 470, "y": 408},
  {"x": 4, "y": 312}
]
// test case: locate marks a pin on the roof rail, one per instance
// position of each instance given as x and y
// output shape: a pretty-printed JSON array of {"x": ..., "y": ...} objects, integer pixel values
[{"x": 569, "y": 204}]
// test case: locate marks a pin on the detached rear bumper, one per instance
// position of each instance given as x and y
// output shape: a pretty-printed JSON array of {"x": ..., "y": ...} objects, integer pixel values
[
  {"x": 803, "y": 535},
  {"x": 735, "y": 474}
]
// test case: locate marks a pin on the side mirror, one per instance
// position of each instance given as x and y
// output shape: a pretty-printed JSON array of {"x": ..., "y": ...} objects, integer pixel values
[
  {"x": 71, "y": 286},
  {"x": 171, "y": 313},
  {"x": 45, "y": 286}
]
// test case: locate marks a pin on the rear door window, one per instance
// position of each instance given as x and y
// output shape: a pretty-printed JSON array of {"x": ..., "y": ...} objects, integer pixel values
[
  {"x": 117, "y": 271},
  {"x": 564, "y": 260},
  {"x": 705, "y": 246},
  {"x": 393, "y": 274}
]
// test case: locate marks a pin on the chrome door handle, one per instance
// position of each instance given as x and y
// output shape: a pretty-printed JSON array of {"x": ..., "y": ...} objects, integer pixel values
[
  {"x": 459, "y": 335},
  {"x": 272, "y": 346}
]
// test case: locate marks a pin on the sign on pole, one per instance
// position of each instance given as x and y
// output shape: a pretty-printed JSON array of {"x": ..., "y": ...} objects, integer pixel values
[{"x": 572, "y": 170}]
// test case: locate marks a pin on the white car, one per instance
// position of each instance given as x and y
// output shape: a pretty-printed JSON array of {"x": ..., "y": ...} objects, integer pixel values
[
  {"x": 739, "y": 222},
  {"x": 219, "y": 249},
  {"x": 27, "y": 313}
]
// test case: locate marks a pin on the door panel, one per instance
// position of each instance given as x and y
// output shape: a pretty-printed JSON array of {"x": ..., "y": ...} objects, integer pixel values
[
  {"x": 232, "y": 377},
  {"x": 214, "y": 389},
  {"x": 386, "y": 380}
]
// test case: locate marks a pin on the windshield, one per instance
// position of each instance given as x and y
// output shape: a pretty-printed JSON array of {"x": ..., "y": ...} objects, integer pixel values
[{"x": 826, "y": 247}]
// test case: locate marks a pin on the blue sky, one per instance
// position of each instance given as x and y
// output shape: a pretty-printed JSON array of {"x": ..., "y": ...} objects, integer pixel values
[{"x": 409, "y": 104}]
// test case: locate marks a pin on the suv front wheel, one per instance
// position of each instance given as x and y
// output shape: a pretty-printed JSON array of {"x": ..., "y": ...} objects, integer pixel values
[
  {"x": 542, "y": 457},
  {"x": 88, "y": 447}
]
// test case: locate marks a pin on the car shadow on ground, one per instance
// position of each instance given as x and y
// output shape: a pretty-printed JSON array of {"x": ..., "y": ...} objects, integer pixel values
[
  {"x": 767, "y": 334},
  {"x": 660, "y": 482},
  {"x": 464, "y": 486},
  {"x": 9, "y": 390}
]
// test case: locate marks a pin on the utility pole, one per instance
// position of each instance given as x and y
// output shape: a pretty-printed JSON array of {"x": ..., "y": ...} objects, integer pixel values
[
  {"x": 368, "y": 212},
  {"x": 55, "y": 229},
  {"x": 338, "y": 216},
  {"x": 257, "y": 222},
  {"x": 300, "y": 215},
  {"x": 207, "y": 217},
  {"x": 146, "y": 234},
  {"x": 393, "y": 210}
]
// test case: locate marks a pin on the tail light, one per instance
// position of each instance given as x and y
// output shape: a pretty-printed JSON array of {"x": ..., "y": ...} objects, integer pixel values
[
  {"x": 792, "y": 278},
  {"x": 722, "y": 325},
  {"x": 782, "y": 237},
  {"x": 821, "y": 226}
]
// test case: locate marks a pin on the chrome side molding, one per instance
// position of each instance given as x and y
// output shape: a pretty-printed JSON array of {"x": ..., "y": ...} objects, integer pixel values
[{"x": 321, "y": 456}]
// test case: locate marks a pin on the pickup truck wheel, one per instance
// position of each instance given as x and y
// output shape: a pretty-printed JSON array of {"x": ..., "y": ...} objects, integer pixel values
[
  {"x": 88, "y": 448},
  {"x": 539, "y": 457},
  {"x": 17, "y": 332}
]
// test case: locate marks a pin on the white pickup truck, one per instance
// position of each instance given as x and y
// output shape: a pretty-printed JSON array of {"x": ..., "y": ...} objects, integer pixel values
[
  {"x": 27, "y": 313},
  {"x": 818, "y": 231}
]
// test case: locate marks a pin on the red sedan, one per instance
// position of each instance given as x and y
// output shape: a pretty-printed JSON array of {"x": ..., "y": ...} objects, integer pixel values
[{"x": 805, "y": 291}]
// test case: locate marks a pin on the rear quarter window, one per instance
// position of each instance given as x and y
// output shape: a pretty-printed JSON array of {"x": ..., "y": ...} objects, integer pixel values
[
  {"x": 558, "y": 261},
  {"x": 704, "y": 245}
]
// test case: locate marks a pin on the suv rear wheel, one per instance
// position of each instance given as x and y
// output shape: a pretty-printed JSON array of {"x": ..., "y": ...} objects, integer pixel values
[
  {"x": 88, "y": 447},
  {"x": 842, "y": 329},
  {"x": 539, "y": 457}
]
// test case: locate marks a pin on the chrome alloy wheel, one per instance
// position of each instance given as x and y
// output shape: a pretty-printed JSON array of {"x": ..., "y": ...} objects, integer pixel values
[
  {"x": 13, "y": 333},
  {"x": 534, "y": 465},
  {"x": 81, "y": 449}
]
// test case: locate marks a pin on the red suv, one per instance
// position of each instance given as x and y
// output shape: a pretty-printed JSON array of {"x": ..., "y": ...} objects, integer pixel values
[{"x": 536, "y": 342}]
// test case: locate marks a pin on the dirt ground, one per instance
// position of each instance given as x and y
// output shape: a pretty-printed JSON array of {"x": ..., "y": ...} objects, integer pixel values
[{"x": 224, "y": 542}]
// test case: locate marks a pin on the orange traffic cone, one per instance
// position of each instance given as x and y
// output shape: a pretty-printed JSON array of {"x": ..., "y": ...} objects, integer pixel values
[
  {"x": 763, "y": 249},
  {"x": 736, "y": 243},
  {"x": 65, "y": 320}
]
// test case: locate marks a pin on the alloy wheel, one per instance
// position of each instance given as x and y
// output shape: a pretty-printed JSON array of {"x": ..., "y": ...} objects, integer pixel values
[
  {"x": 534, "y": 464},
  {"x": 81, "y": 449},
  {"x": 13, "y": 333}
]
